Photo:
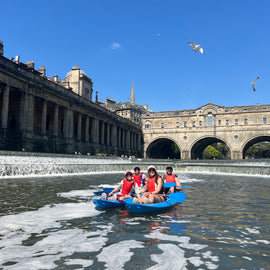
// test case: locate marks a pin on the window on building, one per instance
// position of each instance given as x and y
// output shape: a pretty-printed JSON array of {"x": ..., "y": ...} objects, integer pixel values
[
  {"x": 193, "y": 123},
  {"x": 200, "y": 123},
  {"x": 209, "y": 119},
  {"x": 122, "y": 113},
  {"x": 177, "y": 124},
  {"x": 147, "y": 126},
  {"x": 219, "y": 122},
  {"x": 245, "y": 121},
  {"x": 185, "y": 124},
  {"x": 264, "y": 121},
  {"x": 162, "y": 125},
  {"x": 227, "y": 122},
  {"x": 236, "y": 122}
]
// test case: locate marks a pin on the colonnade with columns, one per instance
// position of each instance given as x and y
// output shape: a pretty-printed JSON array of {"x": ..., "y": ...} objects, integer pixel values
[{"x": 56, "y": 124}]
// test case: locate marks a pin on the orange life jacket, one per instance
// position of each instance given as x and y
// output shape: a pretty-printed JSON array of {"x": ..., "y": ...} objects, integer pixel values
[
  {"x": 127, "y": 186},
  {"x": 151, "y": 184},
  {"x": 170, "y": 178},
  {"x": 138, "y": 179}
]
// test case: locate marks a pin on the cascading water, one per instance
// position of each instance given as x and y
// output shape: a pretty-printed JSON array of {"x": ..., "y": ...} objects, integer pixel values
[{"x": 13, "y": 164}]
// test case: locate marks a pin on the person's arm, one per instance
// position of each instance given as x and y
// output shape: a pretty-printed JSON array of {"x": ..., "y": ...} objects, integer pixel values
[
  {"x": 116, "y": 189},
  {"x": 177, "y": 182}
]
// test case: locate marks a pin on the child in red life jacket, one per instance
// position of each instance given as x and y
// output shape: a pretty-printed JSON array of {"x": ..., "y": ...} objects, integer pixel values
[
  {"x": 171, "y": 178},
  {"x": 125, "y": 188},
  {"x": 152, "y": 191},
  {"x": 139, "y": 178}
]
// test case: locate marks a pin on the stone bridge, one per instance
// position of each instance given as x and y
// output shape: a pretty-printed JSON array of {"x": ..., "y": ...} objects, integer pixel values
[{"x": 192, "y": 131}]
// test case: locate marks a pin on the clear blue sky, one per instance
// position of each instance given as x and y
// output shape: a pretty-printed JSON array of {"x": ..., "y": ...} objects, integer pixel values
[{"x": 146, "y": 41}]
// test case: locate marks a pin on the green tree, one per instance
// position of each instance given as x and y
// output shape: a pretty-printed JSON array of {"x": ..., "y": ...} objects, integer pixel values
[{"x": 210, "y": 152}]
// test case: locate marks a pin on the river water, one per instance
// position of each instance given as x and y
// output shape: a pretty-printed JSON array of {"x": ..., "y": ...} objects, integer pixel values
[{"x": 52, "y": 223}]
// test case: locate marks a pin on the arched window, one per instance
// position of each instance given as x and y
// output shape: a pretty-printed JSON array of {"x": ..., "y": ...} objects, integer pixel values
[{"x": 209, "y": 119}]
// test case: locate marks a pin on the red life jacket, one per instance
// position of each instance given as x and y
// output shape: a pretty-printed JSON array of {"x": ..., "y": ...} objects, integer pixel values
[
  {"x": 170, "y": 178},
  {"x": 151, "y": 184},
  {"x": 138, "y": 179},
  {"x": 127, "y": 186}
]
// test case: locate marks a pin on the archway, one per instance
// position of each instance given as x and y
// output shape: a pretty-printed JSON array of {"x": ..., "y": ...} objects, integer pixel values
[
  {"x": 253, "y": 142},
  {"x": 163, "y": 149},
  {"x": 200, "y": 146}
]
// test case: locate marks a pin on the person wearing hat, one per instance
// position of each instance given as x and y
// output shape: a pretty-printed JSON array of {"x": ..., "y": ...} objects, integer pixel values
[
  {"x": 171, "y": 178},
  {"x": 125, "y": 188},
  {"x": 152, "y": 191}
]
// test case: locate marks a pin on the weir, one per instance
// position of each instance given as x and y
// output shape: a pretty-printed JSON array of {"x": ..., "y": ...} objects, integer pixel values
[{"x": 22, "y": 164}]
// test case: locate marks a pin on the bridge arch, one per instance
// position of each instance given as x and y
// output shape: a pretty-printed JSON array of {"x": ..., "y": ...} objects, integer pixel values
[
  {"x": 201, "y": 143},
  {"x": 163, "y": 147},
  {"x": 254, "y": 140}
]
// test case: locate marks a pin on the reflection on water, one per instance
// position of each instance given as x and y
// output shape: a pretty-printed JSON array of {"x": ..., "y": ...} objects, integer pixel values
[{"x": 52, "y": 224}]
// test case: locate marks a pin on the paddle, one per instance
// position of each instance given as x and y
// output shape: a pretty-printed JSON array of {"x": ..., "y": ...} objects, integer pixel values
[{"x": 169, "y": 185}]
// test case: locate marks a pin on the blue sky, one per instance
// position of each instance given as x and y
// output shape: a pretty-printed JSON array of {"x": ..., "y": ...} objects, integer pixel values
[{"x": 146, "y": 41}]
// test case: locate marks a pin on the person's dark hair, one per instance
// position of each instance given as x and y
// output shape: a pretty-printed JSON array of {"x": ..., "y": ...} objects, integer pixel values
[
  {"x": 169, "y": 167},
  {"x": 137, "y": 168}
]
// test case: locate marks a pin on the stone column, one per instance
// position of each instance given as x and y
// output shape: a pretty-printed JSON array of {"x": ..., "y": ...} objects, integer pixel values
[
  {"x": 5, "y": 106},
  {"x": 79, "y": 127},
  {"x": 139, "y": 142},
  {"x": 87, "y": 129},
  {"x": 44, "y": 118},
  {"x": 123, "y": 138},
  {"x": 102, "y": 133},
  {"x": 128, "y": 139},
  {"x": 55, "y": 120},
  {"x": 23, "y": 111},
  {"x": 65, "y": 124},
  {"x": 95, "y": 130},
  {"x": 30, "y": 113},
  {"x": 114, "y": 136},
  {"x": 131, "y": 140},
  {"x": 71, "y": 124},
  {"x": 108, "y": 135}
]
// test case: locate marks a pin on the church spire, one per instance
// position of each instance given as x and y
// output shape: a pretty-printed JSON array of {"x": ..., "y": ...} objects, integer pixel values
[{"x": 132, "y": 97}]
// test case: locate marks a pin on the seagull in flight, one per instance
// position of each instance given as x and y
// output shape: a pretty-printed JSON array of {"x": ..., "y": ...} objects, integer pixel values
[
  {"x": 196, "y": 47},
  {"x": 253, "y": 83}
]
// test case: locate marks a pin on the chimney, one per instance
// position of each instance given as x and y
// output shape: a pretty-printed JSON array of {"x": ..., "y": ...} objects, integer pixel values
[
  {"x": 30, "y": 64},
  {"x": 42, "y": 70},
  {"x": 55, "y": 78},
  {"x": 1, "y": 48}
]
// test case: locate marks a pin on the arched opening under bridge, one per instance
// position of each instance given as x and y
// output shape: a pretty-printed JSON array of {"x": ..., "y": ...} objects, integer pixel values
[
  {"x": 201, "y": 149},
  {"x": 258, "y": 147},
  {"x": 163, "y": 149}
]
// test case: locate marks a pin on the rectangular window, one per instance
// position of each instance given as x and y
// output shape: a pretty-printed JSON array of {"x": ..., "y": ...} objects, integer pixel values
[
  {"x": 193, "y": 123},
  {"x": 236, "y": 122},
  {"x": 147, "y": 126},
  {"x": 185, "y": 124},
  {"x": 227, "y": 122},
  {"x": 245, "y": 121},
  {"x": 162, "y": 125},
  {"x": 264, "y": 120},
  {"x": 219, "y": 122},
  {"x": 200, "y": 123},
  {"x": 177, "y": 124}
]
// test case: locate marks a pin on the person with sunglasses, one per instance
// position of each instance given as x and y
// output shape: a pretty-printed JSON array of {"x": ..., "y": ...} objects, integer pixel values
[
  {"x": 125, "y": 188},
  {"x": 152, "y": 191}
]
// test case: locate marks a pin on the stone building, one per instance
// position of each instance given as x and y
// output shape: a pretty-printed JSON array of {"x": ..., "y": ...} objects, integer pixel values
[
  {"x": 237, "y": 127},
  {"x": 129, "y": 110},
  {"x": 41, "y": 114}
]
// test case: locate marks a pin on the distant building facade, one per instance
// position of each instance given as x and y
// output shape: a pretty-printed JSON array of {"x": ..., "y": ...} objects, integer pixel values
[
  {"x": 129, "y": 110},
  {"x": 44, "y": 114},
  {"x": 237, "y": 127}
]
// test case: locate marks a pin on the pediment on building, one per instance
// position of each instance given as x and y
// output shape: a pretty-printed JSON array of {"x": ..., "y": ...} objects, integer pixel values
[{"x": 209, "y": 108}]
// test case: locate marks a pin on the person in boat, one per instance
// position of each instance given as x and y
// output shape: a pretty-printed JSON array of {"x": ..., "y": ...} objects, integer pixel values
[
  {"x": 152, "y": 191},
  {"x": 125, "y": 189},
  {"x": 171, "y": 178},
  {"x": 139, "y": 177}
]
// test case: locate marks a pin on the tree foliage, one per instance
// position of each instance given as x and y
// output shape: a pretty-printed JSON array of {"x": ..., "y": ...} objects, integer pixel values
[{"x": 258, "y": 150}]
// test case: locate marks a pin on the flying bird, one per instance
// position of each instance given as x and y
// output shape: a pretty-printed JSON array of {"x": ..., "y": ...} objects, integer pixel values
[
  {"x": 196, "y": 47},
  {"x": 253, "y": 83}
]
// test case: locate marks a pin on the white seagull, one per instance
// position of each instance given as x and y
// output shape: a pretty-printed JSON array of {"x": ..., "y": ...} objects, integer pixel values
[
  {"x": 196, "y": 47},
  {"x": 253, "y": 83}
]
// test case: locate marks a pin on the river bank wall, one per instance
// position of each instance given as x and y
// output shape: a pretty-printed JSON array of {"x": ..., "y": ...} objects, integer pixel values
[{"x": 21, "y": 164}]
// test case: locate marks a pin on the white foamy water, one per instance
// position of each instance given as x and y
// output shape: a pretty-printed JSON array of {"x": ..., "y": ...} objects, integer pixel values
[{"x": 54, "y": 243}]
